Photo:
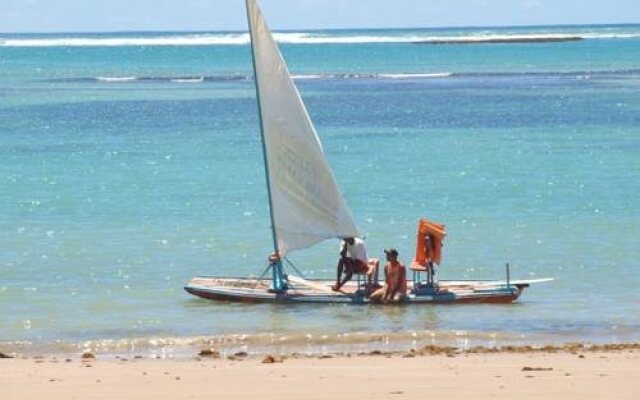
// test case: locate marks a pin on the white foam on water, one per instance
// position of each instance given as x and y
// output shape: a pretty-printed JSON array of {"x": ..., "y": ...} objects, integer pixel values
[
  {"x": 200, "y": 40},
  {"x": 417, "y": 75},
  {"x": 302, "y": 38},
  {"x": 164, "y": 40},
  {"x": 212, "y": 39},
  {"x": 308, "y": 76},
  {"x": 188, "y": 80},
  {"x": 427, "y": 75},
  {"x": 116, "y": 78},
  {"x": 493, "y": 37},
  {"x": 610, "y": 35}
]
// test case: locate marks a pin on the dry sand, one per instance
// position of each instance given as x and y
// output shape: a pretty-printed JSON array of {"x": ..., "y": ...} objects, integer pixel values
[{"x": 603, "y": 374}]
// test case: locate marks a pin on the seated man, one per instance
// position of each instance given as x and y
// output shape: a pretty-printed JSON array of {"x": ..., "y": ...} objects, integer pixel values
[
  {"x": 395, "y": 281},
  {"x": 353, "y": 259}
]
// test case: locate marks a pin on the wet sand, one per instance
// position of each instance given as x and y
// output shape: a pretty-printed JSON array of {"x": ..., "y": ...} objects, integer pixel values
[{"x": 523, "y": 373}]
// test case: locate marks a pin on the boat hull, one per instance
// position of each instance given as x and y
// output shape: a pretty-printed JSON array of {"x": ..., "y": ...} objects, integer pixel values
[{"x": 257, "y": 291}]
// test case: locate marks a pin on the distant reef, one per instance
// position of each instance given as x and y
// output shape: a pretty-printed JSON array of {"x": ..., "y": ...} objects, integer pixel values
[{"x": 506, "y": 39}]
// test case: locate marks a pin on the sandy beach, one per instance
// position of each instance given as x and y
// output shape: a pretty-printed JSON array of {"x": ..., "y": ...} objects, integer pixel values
[{"x": 583, "y": 374}]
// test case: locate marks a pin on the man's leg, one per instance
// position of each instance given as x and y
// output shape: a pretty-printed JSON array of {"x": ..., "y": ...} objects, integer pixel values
[
  {"x": 376, "y": 297},
  {"x": 398, "y": 298},
  {"x": 374, "y": 271},
  {"x": 432, "y": 270},
  {"x": 348, "y": 271},
  {"x": 339, "y": 268}
]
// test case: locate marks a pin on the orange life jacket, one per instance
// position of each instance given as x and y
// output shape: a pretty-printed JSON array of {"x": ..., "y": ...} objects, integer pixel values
[{"x": 436, "y": 233}]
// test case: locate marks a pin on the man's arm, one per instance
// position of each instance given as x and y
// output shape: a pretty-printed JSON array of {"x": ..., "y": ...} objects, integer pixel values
[
  {"x": 343, "y": 249},
  {"x": 387, "y": 283},
  {"x": 403, "y": 280}
]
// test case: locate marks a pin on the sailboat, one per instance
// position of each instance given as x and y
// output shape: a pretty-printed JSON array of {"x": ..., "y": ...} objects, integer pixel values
[{"x": 306, "y": 205}]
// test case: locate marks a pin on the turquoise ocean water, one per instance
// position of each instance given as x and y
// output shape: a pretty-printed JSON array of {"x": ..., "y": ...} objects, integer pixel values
[{"x": 130, "y": 162}]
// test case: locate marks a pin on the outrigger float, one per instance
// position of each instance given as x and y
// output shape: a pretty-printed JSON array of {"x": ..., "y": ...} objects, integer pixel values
[{"x": 307, "y": 207}]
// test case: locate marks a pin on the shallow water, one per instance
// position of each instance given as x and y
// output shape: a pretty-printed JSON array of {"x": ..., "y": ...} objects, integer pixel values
[{"x": 117, "y": 191}]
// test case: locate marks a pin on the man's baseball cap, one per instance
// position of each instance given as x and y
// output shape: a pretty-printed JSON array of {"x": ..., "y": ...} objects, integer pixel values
[{"x": 391, "y": 251}]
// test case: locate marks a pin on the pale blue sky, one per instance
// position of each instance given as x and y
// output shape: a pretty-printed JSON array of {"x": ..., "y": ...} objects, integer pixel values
[{"x": 118, "y": 15}]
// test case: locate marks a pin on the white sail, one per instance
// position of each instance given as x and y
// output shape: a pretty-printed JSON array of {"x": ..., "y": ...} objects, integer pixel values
[{"x": 306, "y": 202}]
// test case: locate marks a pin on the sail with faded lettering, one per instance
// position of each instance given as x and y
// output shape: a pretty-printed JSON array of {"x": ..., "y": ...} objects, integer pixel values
[{"x": 306, "y": 203}]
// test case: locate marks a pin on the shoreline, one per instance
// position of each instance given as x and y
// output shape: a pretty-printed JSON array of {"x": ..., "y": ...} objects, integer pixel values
[
  {"x": 572, "y": 371},
  {"x": 200, "y": 352}
]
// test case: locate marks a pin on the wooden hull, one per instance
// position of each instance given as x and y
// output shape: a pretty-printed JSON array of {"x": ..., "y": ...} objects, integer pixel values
[{"x": 448, "y": 292}]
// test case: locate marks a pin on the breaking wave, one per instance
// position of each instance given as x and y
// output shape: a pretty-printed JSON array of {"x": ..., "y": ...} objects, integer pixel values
[
  {"x": 115, "y": 78},
  {"x": 241, "y": 77},
  {"x": 309, "y": 342},
  {"x": 230, "y": 39},
  {"x": 347, "y": 76}
]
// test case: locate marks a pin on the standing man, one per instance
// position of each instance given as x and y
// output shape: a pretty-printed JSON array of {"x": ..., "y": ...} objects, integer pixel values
[
  {"x": 430, "y": 254},
  {"x": 395, "y": 281},
  {"x": 353, "y": 259}
]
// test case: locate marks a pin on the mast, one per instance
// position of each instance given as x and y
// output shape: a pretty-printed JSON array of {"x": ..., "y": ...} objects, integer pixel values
[{"x": 278, "y": 283}]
